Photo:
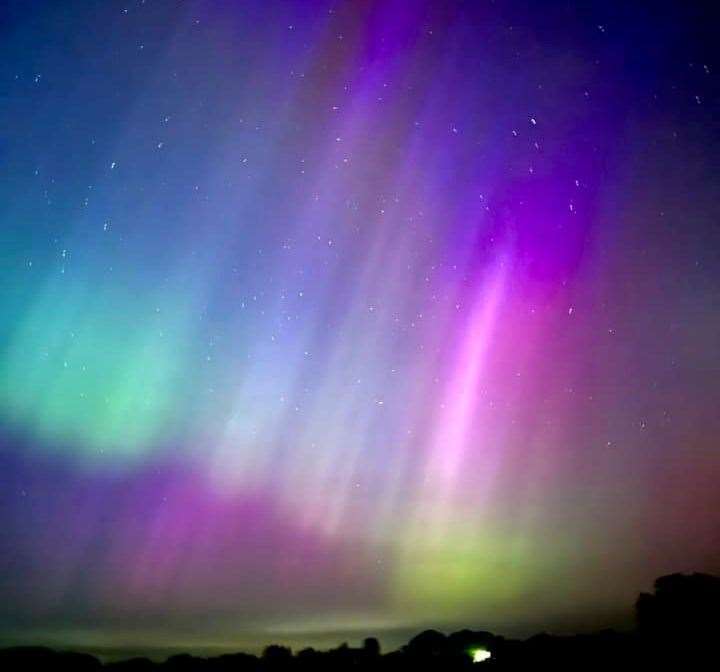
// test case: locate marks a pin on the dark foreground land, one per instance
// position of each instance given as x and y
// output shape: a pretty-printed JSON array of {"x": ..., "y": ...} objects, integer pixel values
[{"x": 677, "y": 628}]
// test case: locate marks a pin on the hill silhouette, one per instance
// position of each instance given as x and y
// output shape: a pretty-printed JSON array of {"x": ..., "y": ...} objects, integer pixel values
[{"x": 676, "y": 626}]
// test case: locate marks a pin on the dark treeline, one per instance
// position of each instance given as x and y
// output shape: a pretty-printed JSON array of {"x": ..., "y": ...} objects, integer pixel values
[{"x": 675, "y": 625}]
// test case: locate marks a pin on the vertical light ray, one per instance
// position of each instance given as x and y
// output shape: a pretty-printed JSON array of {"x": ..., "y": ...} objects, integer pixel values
[
  {"x": 448, "y": 526},
  {"x": 459, "y": 406}
]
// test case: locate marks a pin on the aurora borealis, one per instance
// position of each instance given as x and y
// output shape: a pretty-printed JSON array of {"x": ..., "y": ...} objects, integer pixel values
[{"x": 321, "y": 318}]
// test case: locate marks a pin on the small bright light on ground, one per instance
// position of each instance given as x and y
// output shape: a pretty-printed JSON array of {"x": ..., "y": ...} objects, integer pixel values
[{"x": 480, "y": 655}]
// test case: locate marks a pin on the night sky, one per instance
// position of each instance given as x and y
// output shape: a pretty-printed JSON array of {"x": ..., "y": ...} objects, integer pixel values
[{"x": 321, "y": 320}]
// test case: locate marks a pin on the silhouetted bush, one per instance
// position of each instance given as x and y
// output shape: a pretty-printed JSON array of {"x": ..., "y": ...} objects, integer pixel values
[{"x": 371, "y": 647}]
